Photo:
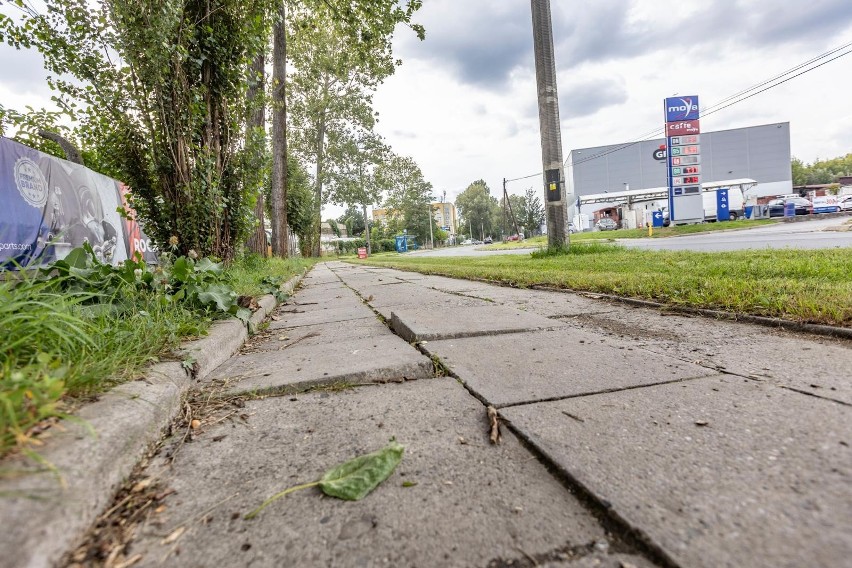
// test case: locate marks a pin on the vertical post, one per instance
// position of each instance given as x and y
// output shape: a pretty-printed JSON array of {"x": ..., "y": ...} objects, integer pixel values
[
  {"x": 431, "y": 218},
  {"x": 548, "y": 116}
]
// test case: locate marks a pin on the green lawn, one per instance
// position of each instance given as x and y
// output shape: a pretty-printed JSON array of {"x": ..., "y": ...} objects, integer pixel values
[
  {"x": 808, "y": 286},
  {"x": 536, "y": 242}
]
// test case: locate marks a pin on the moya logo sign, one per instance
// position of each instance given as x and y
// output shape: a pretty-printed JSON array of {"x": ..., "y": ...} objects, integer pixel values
[{"x": 681, "y": 108}]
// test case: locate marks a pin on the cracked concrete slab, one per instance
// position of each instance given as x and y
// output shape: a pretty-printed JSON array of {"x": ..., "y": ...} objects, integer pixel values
[
  {"x": 308, "y": 303},
  {"x": 767, "y": 354},
  {"x": 426, "y": 324},
  {"x": 327, "y": 334},
  {"x": 525, "y": 367},
  {"x": 541, "y": 302},
  {"x": 447, "y": 504},
  {"x": 363, "y": 360},
  {"x": 447, "y": 303},
  {"x": 330, "y": 315},
  {"x": 719, "y": 471}
]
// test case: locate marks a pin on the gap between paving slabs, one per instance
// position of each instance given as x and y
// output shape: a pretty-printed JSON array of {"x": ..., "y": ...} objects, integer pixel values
[
  {"x": 91, "y": 453},
  {"x": 616, "y": 524},
  {"x": 593, "y": 499},
  {"x": 602, "y": 502}
]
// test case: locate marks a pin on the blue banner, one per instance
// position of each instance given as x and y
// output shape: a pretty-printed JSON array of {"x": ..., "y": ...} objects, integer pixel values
[
  {"x": 51, "y": 206},
  {"x": 723, "y": 206}
]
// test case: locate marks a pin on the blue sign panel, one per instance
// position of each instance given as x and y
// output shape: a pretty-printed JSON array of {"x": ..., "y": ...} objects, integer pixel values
[
  {"x": 681, "y": 108},
  {"x": 657, "y": 219},
  {"x": 723, "y": 207}
]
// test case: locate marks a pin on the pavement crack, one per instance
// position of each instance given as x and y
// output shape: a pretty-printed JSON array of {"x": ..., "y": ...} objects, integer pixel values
[
  {"x": 800, "y": 391},
  {"x": 604, "y": 391}
]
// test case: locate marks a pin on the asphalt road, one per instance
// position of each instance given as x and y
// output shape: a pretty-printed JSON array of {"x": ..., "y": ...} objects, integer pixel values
[{"x": 811, "y": 234}]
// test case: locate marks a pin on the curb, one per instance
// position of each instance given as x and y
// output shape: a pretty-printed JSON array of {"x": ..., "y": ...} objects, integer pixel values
[{"x": 47, "y": 511}]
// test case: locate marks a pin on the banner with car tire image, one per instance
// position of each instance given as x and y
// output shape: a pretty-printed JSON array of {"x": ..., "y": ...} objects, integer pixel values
[{"x": 51, "y": 206}]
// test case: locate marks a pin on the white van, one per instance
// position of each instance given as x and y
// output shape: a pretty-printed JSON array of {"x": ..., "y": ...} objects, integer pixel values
[{"x": 736, "y": 203}]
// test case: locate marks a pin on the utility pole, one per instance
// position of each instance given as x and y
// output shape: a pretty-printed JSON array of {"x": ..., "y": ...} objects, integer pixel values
[
  {"x": 509, "y": 206},
  {"x": 548, "y": 117}
]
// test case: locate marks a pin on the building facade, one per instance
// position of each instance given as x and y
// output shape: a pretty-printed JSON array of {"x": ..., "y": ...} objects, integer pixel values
[
  {"x": 444, "y": 214},
  {"x": 760, "y": 152}
]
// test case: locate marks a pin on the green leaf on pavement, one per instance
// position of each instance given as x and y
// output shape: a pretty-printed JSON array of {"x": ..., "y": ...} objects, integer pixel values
[{"x": 352, "y": 480}]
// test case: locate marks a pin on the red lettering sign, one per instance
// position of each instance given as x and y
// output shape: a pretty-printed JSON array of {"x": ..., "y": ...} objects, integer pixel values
[{"x": 682, "y": 127}]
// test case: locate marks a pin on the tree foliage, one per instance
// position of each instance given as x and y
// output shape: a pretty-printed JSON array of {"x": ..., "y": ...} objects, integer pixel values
[
  {"x": 160, "y": 90},
  {"x": 340, "y": 53},
  {"x": 409, "y": 197},
  {"x": 353, "y": 220},
  {"x": 821, "y": 171},
  {"x": 480, "y": 212}
]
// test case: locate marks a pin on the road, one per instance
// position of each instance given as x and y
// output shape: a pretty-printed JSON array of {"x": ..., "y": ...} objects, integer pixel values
[
  {"x": 812, "y": 234},
  {"x": 816, "y": 234}
]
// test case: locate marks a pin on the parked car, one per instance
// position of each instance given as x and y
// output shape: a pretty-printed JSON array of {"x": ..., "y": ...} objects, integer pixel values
[
  {"x": 606, "y": 224},
  {"x": 488, "y": 240},
  {"x": 845, "y": 203},
  {"x": 803, "y": 206},
  {"x": 467, "y": 242}
]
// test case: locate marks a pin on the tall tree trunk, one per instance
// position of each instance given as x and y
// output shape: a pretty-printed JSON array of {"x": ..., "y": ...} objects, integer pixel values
[
  {"x": 257, "y": 240},
  {"x": 318, "y": 194},
  {"x": 278, "y": 197}
]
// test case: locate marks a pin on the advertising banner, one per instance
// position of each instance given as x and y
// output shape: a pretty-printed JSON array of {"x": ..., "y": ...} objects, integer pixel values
[
  {"x": 826, "y": 204},
  {"x": 51, "y": 206}
]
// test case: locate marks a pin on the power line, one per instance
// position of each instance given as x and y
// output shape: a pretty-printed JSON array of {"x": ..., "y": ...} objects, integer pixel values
[{"x": 716, "y": 107}]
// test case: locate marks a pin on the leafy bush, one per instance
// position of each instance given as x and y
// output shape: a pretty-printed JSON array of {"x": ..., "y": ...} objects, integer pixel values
[
  {"x": 79, "y": 326},
  {"x": 199, "y": 284}
]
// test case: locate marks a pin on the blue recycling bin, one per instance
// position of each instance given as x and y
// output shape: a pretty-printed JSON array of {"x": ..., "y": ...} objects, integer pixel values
[
  {"x": 789, "y": 209},
  {"x": 401, "y": 243}
]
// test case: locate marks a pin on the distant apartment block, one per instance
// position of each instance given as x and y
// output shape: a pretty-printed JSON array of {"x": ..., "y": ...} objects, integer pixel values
[{"x": 444, "y": 214}]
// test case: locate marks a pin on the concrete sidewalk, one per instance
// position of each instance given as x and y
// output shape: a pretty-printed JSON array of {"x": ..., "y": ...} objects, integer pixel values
[{"x": 635, "y": 438}]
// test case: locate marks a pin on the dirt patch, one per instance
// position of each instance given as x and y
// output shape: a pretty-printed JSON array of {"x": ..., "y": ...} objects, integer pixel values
[{"x": 625, "y": 329}]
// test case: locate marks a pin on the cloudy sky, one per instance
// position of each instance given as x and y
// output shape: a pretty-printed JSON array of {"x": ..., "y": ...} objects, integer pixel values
[{"x": 463, "y": 104}]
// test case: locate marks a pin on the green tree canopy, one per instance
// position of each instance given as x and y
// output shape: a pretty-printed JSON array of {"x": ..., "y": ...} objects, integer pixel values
[
  {"x": 409, "y": 197},
  {"x": 479, "y": 210},
  {"x": 353, "y": 220},
  {"x": 821, "y": 171}
]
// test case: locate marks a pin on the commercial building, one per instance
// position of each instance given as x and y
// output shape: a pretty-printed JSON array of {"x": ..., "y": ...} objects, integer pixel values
[{"x": 760, "y": 153}]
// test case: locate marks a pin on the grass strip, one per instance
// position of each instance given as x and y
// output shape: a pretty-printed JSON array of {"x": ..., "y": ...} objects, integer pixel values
[
  {"x": 60, "y": 345},
  {"x": 660, "y": 232},
  {"x": 812, "y": 286}
]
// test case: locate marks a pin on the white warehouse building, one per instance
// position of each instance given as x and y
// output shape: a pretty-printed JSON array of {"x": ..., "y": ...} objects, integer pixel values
[{"x": 759, "y": 153}]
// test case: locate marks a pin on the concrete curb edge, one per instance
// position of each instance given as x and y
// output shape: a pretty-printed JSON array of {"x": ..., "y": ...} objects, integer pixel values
[{"x": 92, "y": 454}]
